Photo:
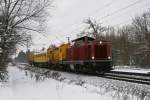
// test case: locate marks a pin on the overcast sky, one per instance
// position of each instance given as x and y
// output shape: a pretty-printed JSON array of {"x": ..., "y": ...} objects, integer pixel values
[{"x": 68, "y": 15}]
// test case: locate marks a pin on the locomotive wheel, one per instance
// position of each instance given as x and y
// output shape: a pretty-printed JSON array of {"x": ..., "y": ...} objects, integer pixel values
[{"x": 72, "y": 67}]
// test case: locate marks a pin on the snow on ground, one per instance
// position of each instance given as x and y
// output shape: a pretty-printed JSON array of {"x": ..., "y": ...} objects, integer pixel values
[
  {"x": 43, "y": 84},
  {"x": 22, "y": 87},
  {"x": 132, "y": 69}
]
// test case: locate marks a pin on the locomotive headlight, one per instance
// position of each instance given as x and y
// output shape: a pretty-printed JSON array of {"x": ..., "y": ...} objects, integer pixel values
[
  {"x": 93, "y": 57},
  {"x": 100, "y": 42},
  {"x": 109, "y": 57}
]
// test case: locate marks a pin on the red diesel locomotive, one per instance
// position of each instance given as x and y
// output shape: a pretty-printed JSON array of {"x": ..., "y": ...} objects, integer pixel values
[{"x": 89, "y": 55}]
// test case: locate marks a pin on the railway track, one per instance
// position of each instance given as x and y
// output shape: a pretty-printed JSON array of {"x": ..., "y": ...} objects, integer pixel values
[{"x": 141, "y": 78}]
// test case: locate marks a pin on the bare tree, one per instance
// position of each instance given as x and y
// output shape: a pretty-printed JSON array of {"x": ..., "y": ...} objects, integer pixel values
[
  {"x": 141, "y": 25},
  {"x": 20, "y": 13},
  {"x": 17, "y": 17},
  {"x": 95, "y": 29}
]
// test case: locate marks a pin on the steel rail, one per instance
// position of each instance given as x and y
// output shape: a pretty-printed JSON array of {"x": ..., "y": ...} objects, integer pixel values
[{"x": 145, "y": 79}]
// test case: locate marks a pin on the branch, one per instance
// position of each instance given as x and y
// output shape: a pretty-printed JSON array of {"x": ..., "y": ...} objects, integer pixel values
[
  {"x": 14, "y": 7},
  {"x": 21, "y": 27},
  {"x": 27, "y": 17}
]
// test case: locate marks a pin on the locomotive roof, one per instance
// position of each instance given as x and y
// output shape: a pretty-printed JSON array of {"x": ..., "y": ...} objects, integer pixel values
[{"x": 83, "y": 38}]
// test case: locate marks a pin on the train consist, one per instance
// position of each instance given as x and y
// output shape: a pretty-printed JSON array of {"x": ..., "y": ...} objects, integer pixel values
[{"x": 84, "y": 54}]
